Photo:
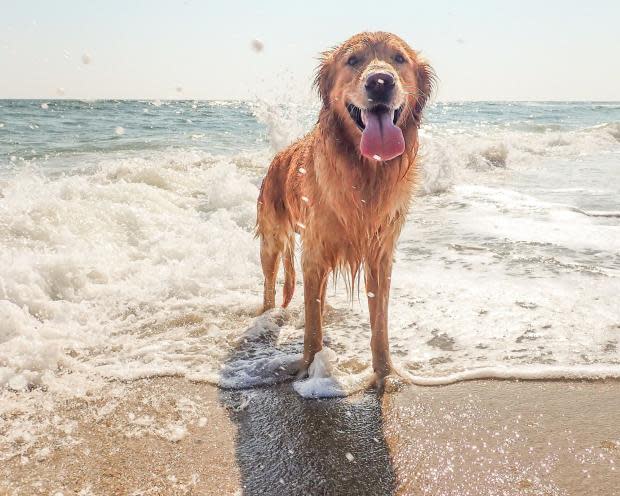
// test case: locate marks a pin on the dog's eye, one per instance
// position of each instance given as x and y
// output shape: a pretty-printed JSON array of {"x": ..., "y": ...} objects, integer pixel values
[
  {"x": 399, "y": 59},
  {"x": 353, "y": 61}
]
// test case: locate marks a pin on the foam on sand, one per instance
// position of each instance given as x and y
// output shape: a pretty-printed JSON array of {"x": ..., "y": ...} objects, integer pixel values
[
  {"x": 325, "y": 380},
  {"x": 526, "y": 373}
]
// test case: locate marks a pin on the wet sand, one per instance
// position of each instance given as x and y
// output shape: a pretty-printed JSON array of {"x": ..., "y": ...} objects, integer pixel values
[{"x": 173, "y": 436}]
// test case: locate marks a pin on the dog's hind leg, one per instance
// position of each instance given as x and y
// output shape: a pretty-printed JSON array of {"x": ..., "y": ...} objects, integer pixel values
[
  {"x": 270, "y": 253},
  {"x": 289, "y": 271}
]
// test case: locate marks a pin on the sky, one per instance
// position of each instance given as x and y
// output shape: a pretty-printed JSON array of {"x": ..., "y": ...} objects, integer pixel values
[{"x": 481, "y": 50}]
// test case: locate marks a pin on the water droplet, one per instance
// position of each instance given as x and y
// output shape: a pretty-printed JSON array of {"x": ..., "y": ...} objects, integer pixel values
[{"x": 257, "y": 45}]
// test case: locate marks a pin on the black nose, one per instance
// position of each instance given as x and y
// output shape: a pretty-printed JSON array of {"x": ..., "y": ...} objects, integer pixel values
[{"x": 379, "y": 86}]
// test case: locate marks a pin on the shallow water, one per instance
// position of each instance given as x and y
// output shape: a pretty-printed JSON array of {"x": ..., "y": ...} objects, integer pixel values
[{"x": 127, "y": 247}]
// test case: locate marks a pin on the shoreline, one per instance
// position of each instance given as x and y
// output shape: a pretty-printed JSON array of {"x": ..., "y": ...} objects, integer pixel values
[{"x": 172, "y": 436}]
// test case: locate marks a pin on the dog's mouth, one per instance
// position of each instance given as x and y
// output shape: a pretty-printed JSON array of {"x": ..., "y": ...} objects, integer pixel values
[
  {"x": 381, "y": 139},
  {"x": 359, "y": 117}
]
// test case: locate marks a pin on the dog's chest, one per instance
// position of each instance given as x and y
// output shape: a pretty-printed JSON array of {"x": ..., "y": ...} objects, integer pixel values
[{"x": 356, "y": 213}]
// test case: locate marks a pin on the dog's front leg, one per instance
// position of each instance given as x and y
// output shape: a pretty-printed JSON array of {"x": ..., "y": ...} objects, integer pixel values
[
  {"x": 315, "y": 278},
  {"x": 378, "y": 272}
]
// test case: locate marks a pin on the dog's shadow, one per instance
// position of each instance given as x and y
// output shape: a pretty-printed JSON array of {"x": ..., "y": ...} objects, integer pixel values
[{"x": 288, "y": 445}]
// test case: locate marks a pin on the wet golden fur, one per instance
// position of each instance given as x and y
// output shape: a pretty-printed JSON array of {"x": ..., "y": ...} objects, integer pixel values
[{"x": 348, "y": 210}]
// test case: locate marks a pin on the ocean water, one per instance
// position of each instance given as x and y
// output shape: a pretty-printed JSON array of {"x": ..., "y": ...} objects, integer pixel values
[{"x": 127, "y": 247}]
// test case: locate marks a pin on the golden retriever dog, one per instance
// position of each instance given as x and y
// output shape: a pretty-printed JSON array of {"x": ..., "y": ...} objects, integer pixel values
[{"x": 345, "y": 187}]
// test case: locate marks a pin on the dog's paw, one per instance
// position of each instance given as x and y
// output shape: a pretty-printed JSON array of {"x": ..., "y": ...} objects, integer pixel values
[
  {"x": 260, "y": 310},
  {"x": 390, "y": 382},
  {"x": 297, "y": 369},
  {"x": 302, "y": 373}
]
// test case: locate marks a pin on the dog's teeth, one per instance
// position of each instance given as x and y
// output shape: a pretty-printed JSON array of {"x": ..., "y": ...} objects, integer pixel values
[
  {"x": 376, "y": 157},
  {"x": 364, "y": 116}
]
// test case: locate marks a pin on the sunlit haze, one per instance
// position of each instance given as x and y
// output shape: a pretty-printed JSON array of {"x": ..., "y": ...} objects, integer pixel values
[{"x": 481, "y": 50}]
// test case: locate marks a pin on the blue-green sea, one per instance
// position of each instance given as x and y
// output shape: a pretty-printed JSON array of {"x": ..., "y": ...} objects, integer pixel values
[{"x": 43, "y": 128}]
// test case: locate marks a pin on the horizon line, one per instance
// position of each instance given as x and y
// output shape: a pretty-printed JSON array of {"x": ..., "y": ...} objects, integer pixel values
[{"x": 167, "y": 99}]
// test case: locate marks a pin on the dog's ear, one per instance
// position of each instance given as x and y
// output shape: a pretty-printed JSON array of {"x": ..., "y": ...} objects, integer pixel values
[
  {"x": 323, "y": 77},
  {"x": 426, "y": 79}
]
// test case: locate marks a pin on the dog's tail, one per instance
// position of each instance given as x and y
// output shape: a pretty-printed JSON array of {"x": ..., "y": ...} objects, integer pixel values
[{"x": 289, "y": 271}]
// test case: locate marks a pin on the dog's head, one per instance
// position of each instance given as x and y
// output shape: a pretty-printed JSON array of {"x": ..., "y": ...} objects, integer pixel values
[{"x": 377, "y": 86}]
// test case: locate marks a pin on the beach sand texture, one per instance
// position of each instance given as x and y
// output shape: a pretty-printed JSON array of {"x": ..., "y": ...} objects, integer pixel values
[{"x": 172, "y": 436}]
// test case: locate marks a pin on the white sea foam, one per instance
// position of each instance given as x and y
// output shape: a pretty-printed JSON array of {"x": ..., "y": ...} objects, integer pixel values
[
  {"x": 526, "y": 373},
  {"x": 100, "y": 261},
  {"x": 447, "y": 156},
  {"x": 325, "y": 380}
]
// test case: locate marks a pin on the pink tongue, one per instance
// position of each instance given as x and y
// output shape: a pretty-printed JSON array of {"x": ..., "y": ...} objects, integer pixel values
[{"x": 381, "y": 139}]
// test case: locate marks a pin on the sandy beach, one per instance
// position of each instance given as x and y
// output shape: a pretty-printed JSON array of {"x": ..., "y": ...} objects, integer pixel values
[{"x": 173, "y": 436}]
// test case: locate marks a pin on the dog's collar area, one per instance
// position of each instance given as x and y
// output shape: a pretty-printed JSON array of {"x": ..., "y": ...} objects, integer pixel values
[{"x": 356, "y": 113}]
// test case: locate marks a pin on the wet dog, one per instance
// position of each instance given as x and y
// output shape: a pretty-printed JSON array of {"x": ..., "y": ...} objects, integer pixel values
[{"x": 345, "y": 188}]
